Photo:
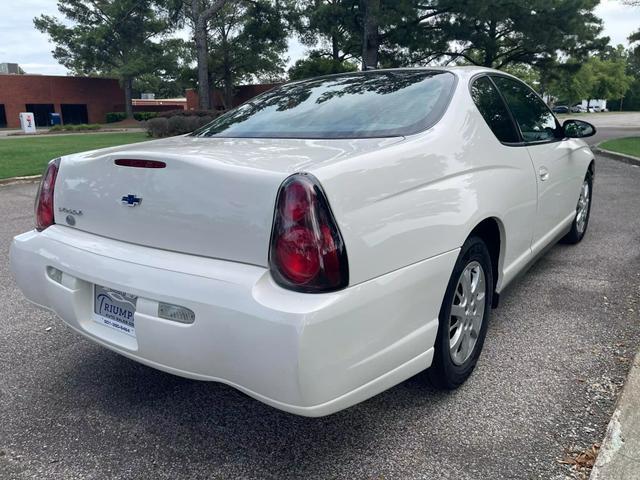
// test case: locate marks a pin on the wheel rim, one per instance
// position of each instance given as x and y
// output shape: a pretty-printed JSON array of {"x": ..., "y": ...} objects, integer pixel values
[
  {"x": 467, "y": 313},
  {"x": 582, "y": 210}
]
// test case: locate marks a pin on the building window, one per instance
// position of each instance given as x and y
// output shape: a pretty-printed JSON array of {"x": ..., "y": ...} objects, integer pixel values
[
  {"x": 41, "y": 112},
  {"x": 3, "y": 117},
  {"x": 74, "y": 114}
]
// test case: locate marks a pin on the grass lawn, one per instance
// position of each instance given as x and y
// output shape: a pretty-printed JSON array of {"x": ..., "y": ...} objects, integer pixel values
[
  {"x": 628, "y": 145},
  {"x": 28, "y": 156}
]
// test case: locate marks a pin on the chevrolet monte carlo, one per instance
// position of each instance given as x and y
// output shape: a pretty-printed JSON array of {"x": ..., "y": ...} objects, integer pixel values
[{"x": 318, "y": 244}]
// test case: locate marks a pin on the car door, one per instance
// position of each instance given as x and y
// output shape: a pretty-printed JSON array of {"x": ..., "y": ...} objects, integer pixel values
[
  {"x": 551, "y": 157},
  {"x": 521, "y": 190}
]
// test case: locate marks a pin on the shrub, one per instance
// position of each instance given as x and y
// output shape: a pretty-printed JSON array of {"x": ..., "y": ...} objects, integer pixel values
[
  {"x": 193, "y": 123},
  {"x": 144, "y": 116},
  {"x": 75, "y": 128},
  {"x": 113, "y": 117},
  {"x": 178, "y": 125},
  {"x": 158, "y": 127},
  {"x": 191, "y": 113},
  {"x": 85, "y": 126},
  {"x": 204, "y": 120},
  {"x": 179, "y": 122}
]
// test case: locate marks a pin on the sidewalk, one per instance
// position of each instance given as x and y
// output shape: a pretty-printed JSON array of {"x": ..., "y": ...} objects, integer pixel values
[{"x": 619, "y": 457}]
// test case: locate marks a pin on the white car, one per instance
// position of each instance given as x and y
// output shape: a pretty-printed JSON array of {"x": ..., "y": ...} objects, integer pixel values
[{"x": 318, "y": 244}]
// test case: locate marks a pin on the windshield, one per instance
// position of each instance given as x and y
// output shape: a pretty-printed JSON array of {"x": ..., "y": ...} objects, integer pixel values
[{"x": 355, "y": 105}]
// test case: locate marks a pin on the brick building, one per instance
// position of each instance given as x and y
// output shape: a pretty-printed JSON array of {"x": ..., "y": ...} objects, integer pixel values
[
  {"x": 89, "y": 99},
  {"x": 76, "y": 99}
]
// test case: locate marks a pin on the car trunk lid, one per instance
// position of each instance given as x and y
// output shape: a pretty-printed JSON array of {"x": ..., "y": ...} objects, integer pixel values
[{"x": 213, "y": 197}]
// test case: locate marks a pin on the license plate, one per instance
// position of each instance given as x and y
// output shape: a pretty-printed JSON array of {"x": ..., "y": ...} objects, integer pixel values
[{"x": 114, "y": 309}]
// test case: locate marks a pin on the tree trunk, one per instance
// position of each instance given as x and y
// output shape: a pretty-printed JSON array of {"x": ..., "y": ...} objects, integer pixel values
[
  {"x": 202, "y": 52},
  {"x": 200, "y": 17},
  {"x": 127, "y": 84},
  {"x": 335, "y": 49},
  {"x": 228, "y": 81},
  {"x": 491, "y": 49},
  {"x": 370, "y": 40}
]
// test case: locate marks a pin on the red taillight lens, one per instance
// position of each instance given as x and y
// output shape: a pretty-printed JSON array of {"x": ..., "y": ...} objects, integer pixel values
[
  {"x": 44, "y": 199},
  {"x": 307, "y": 252}
]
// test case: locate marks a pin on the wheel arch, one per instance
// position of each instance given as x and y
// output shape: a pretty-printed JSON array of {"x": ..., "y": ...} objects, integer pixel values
[{"x": 491, "y": 231}]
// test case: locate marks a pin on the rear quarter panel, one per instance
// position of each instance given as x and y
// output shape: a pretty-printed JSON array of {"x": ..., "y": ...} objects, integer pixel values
[{"x": 422, "y": 197}]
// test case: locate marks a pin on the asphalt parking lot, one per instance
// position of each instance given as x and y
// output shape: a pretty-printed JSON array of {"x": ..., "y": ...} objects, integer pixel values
[{"x": 557, "y": 352}]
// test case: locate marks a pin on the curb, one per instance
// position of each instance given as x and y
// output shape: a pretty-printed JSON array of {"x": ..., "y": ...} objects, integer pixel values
[
  {"x": 621, "y": 157},
  {"x": 619, "y": 456},
  {"x": 13, "y": 180}
]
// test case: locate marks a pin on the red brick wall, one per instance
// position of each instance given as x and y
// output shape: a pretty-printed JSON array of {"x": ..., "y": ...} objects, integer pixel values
[
  {"x": 100, "y": 95},
  {"x": 192, "y": 99},
  {"x": 243, "y": 93}
]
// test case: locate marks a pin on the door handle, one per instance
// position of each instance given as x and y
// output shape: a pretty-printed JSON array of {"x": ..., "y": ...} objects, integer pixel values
[{"x": 544, "y": 173}]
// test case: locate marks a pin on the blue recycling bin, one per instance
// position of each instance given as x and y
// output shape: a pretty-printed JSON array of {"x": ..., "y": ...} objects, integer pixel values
[{"x": 54, "y": 119}]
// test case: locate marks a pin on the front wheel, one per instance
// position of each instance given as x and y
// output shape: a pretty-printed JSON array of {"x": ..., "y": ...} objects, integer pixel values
[
  {"x": 464, "y": 316},
  {"x": 583, "y": 211}
]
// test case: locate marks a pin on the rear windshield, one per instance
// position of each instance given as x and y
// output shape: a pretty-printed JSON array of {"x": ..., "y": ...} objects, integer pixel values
[{"x": 355, "y": 105}]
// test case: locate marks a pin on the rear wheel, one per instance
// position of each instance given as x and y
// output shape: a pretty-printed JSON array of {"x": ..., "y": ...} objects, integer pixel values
[
  {"x": 583, "y": 210},
  {"x": 464, "y": 316}
]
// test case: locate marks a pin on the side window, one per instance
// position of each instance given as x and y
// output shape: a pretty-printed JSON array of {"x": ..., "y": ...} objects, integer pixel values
[
  {"x": 534, "y": 118},
  {"x": 493, "y": 109}
]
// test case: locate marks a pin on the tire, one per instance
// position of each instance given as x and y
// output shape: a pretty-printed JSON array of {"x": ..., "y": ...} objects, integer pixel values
[
  {"x": 579, "y": 226},
  {"x": 452, "y": 366}
]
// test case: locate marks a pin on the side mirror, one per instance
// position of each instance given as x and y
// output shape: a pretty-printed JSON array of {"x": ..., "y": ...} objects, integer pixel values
[{"x": 578, "y": 129}]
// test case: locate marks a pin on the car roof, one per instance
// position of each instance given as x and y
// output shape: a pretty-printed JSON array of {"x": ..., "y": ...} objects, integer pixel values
[{"x": 462, "y": 72}]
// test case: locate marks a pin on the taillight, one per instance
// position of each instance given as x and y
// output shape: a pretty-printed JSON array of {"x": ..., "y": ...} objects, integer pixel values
[
  {"x": 307, "y": 253},
  {"x": 44, "y": 199}
]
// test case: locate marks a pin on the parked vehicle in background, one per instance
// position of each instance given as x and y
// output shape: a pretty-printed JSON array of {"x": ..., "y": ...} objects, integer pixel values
[
  {"x": 318, "y": 244},
  {"x": 578, "y": 109},
  {"x": 593, "y": 105},
  {"x": 560, "y": 109}
]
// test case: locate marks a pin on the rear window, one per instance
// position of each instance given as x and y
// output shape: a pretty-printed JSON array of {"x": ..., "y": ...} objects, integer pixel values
[
  {"x": 356, "y": 105},
  {"x": 494, "y": 111}
]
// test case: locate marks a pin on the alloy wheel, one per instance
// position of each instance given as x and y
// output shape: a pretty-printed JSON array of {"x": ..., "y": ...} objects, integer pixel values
[
  {"x": 582, "y": 210},
  {"x": 467, "y": 313}
]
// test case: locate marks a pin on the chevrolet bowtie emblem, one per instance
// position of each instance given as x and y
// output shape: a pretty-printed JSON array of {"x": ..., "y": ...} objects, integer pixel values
[{"x": 131, "y": 200}]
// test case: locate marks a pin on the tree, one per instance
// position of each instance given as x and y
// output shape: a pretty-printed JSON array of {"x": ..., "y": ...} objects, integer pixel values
[
  {"x": 571, "y": 83},
  {"x": 503, "y": 32},
  {"x": 332, "y": 29},
  {"x": 316, "y": 65},
  {"x": 173, "y": 75},
  {"x": 609, "y": 78},
  {"x": 594, "y": 79},
  {"x": 376, "y": 32},
  {"x": 248, "y": 41},
  {"x": 123, "y": 38},
  {"x": 371, "y": 34},
  {"x": 200, "y": 13},
  {"x": 329, "y": 22},
  {"x": 526, "y": 73}
]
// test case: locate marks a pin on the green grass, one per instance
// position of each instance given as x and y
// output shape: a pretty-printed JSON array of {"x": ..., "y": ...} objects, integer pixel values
[
  {"x": 628, "y": 146},
  {"x": 28, "y": 156}
]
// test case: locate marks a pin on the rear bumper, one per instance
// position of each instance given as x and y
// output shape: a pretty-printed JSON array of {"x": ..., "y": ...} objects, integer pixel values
[{"x": 306, "y": 354}]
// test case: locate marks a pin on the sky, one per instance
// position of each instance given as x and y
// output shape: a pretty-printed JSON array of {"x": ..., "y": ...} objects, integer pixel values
[{"x": 21, "y": 43}]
